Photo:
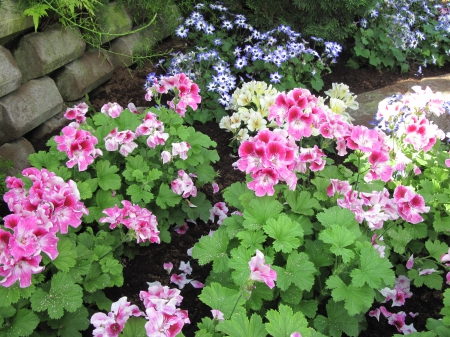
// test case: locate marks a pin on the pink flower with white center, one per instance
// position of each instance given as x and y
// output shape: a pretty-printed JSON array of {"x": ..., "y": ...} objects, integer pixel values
[
  {"x": 162, "y": 298},
  {"x": 446, "y": 258},
  {"x": 217, "y": 315},
  {"x": 197, "y": 284},
  {"x": 180, "y": 149},
  {"x": 20, "y": 269},
  {"x": 261, "y": 272},
  {"x": 181, "y": 229},
  {"x": 180, "y": 280},
  {"x": 168, "y": 267},
  {"x": 400, "y": 293},
  {"x": 263, "y": 182},
  {"x": 363, "y": 139},
  {"x": 140, "y": 220},
  {"x": 299, "y": 122},
  {"x": 112, "y": 324},
  {"x": 339, "y": 187},
  {"x": 447, "y": 278},
  {"x": 111, "y": 109},
  {"x": 77, "y": 113},
  {"x": 122, "y": 138},
  {"x": 162, "y": 325},
  {"x": 251, "y": 156},
  {"x": 166, "y": 156},
  {"x": 379, "y": 167},
  {"x": 185, "y": 267},
  {"x": 30, "y": 239},
  {"x": 409, "y": 204},
  {"x": 157, "y": 138},
  {"x": 132, "y": 108},
  {"x": 410, "y": 262},
  {"x": 295, "y": 334},
  {"x": 79, "y": 147},
  {"x": 215, "y": 187},
  {"x": 220, "y": 210},
  {"x": 313, "y": 157},
  {"x": 184, "y": 185}
]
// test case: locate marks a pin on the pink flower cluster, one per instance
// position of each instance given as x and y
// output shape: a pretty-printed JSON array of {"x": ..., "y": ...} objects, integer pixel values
[
  {"x": 112, "y": 110},
  {"x": 377, "y": 207},
  {"x": 123, "y": 138},
  {"x": 220, "y": 210},
  {"x": 154, "y": 129},
  {"x": 79, "y": 147},
  {"x": 407, "y": 115},
  {"x": 269, "y": 157},
  {"x": 261, "y": 272},
  {"x": 178, "y": 149},
  {"x": 140, "y": 220},
  {"x": 184, "y": 185},
  {"x": 48, "y": 207},
  {"x": 77, "y": 113},
  {"x": 186, "y": 92},
  {"x": 164, "y": 318},
  {"x": 297, "y": 111},
  {"x": 400, "y": 293},
  {"x": 112, "y": 324}
]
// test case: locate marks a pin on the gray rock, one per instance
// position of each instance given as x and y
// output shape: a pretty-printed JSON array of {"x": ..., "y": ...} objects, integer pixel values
[
  {"x": 13, "y": 22},
  {"x": 79, "y": 77},
  {"x": 27, "y": 107},
  {"x": 10, "y": 75},
  {"x": 17, "y": 152},
  {"x": 38, "y": 54}
]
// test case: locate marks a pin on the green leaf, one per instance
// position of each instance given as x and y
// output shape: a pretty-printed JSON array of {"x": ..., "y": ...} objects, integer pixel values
[
  {"x": 71, "y": 323},
  {"x": 252, "y": 239},
  {"x": 197, "y": 140},
  {"x": 201, "y": 210},
  {"x": 166, "y": 197},
  {"x": 111, "y": 265},
  {"x": 338, "y": 321},
  {"x": 205, "y": 172},
  {"x": 66, "y": 258},
  {"x": 106, "y": 175},
  {"x": 357, "y": 299},
  {"x": 22, "y": 323},
  {"x": 418, "y": 231},
  {"x": 239, "y": 325},
  {"x": 259, "y": 211},
  {"x": 63, "y": 294},
  {"x": 299, "y": 270},
  {"x": 259, "y": 293},
  {"x": 223, "y": 299},
  {"x": 284, "y": 322},
  {"x": 135, "y": 327},
  {"x": 284, "y": 232},
  {"x": 240, "y": 257},
  {"x": 374, "y": 270},
  {"x": 138, "y": 193},
  {"x": 399, "y": 239},
  {"x": 291, "y": 295},
  {"x": 134, "y": 163},
  {"x": 232, "y": 193},
  {"x": 318, "y": 254},
  {"x": 49, "y": 160},
  {"x": 85, "y": 190},
  {"x": 339, "y": 237},
  {"x": 99, "y": 299},
  {"x": 301, "y": 202},
  {"x": 96, "y": 279},
  {"x": 441, "y": 224},
  {"x": 436, "y": 249},
  {"x": 307, "y": 307},
  {"x": 337, "y": 216},
  {"x": 212, "y": 248}
]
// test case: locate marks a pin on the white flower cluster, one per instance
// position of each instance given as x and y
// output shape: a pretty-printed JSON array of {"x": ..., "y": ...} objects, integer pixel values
[
  {"x": 251, "y": 104},
  {"x": 340, "y": 99}
]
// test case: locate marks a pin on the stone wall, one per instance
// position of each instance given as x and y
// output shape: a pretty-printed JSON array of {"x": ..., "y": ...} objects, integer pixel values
[{"x": 41, "y": 73}]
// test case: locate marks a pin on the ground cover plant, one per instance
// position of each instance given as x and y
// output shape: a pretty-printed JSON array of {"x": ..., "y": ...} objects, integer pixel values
[
  {"x": 130, "y": 176},
  {"x": 227, "y": 50},
  {"x": 397, "y": 34}
]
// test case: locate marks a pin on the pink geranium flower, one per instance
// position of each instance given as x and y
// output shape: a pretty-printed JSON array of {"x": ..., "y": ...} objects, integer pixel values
[
  {"x": 261, "y": 272},
  {"x": 184, "y": 185},
  {"x": 409, "y": 204},
  {"x": 111, "y": 109}
]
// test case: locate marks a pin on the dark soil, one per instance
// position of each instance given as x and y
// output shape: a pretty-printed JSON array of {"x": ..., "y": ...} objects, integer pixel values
[{"x": 127, "y": 86}]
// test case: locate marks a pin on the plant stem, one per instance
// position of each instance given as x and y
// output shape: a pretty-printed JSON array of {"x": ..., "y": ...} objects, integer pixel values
[{"x": 235, "y": 304}]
